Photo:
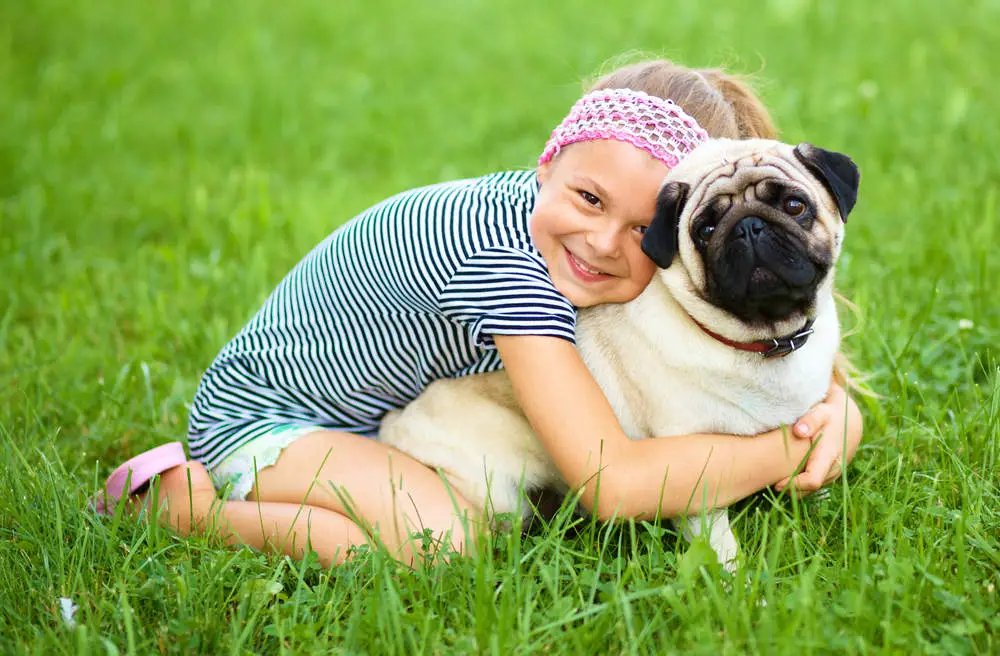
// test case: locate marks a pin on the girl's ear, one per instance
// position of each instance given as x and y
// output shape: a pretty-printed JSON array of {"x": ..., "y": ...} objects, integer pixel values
[
  {"x": 660, "y": 240},
  {"x": 544, "y": 171}
]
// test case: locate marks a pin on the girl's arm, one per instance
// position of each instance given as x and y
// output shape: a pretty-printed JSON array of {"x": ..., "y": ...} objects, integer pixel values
[{"x": 638, "y": 478}]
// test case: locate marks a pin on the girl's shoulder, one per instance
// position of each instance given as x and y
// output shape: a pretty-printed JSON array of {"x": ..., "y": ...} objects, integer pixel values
[
  {"x": 492, "y": 207},
  {"x": 517, "y": 181},
  {"x": 516, "y": 187},
  {"x": 442, "y": 226}
]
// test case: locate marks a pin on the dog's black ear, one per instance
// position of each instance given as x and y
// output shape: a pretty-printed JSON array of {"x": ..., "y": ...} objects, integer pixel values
[
  {"x": 838, "y": 173},
  {"x": 660, "y": 240}
]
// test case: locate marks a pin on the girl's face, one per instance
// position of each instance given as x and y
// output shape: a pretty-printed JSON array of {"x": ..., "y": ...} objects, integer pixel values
[{"x": 595, "y": 202}]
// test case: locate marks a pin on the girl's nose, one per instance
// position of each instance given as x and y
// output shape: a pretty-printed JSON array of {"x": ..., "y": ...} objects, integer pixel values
[{"x": 605, "y": 243}]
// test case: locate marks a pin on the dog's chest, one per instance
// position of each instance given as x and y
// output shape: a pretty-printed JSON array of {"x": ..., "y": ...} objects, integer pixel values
[{"x": 663, "y": 378}]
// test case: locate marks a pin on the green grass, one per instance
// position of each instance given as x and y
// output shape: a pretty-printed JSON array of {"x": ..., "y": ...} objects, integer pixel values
[{"x": 163, "y": 164}]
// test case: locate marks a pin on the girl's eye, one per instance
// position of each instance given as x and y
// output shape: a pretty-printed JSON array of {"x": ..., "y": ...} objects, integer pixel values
[
  {"x": 590, "y": 198},
  {"x": 641, "y": 229},
  {"x": 705, "y": 232}
]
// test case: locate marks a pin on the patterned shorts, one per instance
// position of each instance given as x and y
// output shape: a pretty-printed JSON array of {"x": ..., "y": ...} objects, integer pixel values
[{"x": 235, "y": 476}]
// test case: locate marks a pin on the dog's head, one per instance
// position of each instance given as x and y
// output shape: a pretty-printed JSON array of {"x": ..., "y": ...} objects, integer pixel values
[{"x": 748, "y": 232}]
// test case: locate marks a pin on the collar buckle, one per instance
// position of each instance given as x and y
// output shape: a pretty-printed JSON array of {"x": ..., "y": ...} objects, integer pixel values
[{"x": 786, "y": 345}]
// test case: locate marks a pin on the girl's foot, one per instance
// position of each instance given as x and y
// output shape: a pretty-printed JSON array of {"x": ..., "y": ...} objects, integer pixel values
[
  {"x": 134, "y": 475},
  {"x": 185, "y": 490}
]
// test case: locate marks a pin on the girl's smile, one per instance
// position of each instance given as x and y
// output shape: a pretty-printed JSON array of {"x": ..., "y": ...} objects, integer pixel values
[{"x": 585, "y": 272}]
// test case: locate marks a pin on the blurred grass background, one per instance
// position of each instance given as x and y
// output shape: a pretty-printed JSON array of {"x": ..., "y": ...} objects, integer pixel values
[{"x": 163, "y": 164}]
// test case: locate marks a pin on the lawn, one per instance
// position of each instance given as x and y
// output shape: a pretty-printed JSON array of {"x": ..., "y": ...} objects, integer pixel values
[{"x": 163, "y": 164}]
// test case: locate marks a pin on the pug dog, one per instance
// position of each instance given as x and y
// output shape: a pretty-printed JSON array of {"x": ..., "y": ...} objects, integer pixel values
[{"x": 736, "y": 333}]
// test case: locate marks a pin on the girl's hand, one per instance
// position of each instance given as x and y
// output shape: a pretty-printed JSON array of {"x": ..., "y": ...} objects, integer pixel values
[{"x": 834, "y": 427}]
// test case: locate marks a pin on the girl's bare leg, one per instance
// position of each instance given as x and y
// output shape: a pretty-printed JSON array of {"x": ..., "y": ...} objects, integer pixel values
[
  {"x": 187, "y": 502},
  {"x": 389, "y": 492}
]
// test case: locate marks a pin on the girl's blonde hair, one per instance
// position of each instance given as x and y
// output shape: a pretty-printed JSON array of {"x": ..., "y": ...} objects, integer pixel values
[
  {"x": 722, "y": 103},
  {"x": 727, "y": 107}
]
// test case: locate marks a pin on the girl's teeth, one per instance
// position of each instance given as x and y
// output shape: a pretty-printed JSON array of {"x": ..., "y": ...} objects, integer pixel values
[{"x": 586, "y": 268}]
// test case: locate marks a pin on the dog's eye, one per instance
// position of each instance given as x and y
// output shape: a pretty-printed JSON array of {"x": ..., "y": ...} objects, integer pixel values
[
  {"x": 705, "y": 232},
  {"x": 793, "y": 206}
]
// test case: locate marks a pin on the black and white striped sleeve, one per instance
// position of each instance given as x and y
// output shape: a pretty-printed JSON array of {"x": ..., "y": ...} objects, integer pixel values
[{"x": 506, "y": 291}]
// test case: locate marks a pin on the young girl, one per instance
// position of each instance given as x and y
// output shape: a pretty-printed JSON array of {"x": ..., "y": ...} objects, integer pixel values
[{"x": 454, "y": 279}]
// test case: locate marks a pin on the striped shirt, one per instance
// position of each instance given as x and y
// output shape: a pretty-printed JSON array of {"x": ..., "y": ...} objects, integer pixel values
[{"x": 407, "y": 292}]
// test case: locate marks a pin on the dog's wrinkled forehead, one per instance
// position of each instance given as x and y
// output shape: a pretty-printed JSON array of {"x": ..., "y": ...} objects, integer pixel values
[
  {"x": 733, "y": 168},
  {"x": 723, "y": 153}
]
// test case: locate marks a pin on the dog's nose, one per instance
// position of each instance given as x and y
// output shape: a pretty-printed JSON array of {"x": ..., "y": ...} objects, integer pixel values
[{"x": 749, "y": 227}]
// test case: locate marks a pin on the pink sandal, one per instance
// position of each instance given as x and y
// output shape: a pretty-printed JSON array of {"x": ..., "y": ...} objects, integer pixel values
[{"x": 136, "y": 473}]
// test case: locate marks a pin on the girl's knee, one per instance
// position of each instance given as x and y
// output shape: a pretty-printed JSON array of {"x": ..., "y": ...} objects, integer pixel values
[{"x": 184, "y": 498}]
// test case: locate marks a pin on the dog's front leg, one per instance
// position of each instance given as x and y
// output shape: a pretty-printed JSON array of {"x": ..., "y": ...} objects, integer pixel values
[{"x": 720, "y": 534}]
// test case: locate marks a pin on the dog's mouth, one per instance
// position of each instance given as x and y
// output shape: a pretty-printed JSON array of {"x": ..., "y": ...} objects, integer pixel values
[
  {"x": 762, "y": 272},
  {"x": 761, "y": 278}
]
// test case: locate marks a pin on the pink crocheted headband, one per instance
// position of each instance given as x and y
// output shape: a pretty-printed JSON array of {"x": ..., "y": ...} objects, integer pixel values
[{"x": 658, "y": 126}]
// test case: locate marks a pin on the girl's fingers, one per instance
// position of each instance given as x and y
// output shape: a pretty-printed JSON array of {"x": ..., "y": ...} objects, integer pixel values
[
  {"x": 809, "y": 481},
  {"x": 835, "y": 470},
  {"x": 813, "y": 478},
  {"x": 809, "y": 427},
  {"x": 813, "y": 421}
]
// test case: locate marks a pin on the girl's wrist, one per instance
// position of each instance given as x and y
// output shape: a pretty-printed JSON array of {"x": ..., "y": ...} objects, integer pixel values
[{"x": 791, "y": 452}]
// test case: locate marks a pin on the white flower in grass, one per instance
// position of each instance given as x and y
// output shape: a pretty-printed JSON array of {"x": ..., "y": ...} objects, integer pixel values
[{"x": 966, "y": 324}]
